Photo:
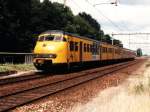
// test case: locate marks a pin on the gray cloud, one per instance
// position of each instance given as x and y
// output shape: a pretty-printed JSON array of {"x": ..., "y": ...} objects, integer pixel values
[{"x": 135, "y": 2}]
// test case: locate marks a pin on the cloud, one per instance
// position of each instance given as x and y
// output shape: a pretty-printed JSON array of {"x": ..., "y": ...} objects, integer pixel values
[
  {"x": 134, "y": 2},
  {"x": 129, "y": 15}
]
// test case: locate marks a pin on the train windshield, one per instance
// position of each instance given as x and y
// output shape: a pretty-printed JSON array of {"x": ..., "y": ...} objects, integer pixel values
[{"x": 51, "y": 38}]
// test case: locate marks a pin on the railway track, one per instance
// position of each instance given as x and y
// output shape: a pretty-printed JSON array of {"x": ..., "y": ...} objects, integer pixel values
[
  {"x": 13, "y": 79},
  {"x": 33, "y": 91}
]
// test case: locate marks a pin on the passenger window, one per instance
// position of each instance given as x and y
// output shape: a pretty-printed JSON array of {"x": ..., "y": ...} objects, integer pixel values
[
  {"x": 103, "y": 50},
  {"x": 91, "y": 48},
  {"x": 71, "y": 46},
  {"x": 88, "y": 49},
  {"x": 106, "y": 50},
  {"x": 97, "y": 47},
  {"x": 76, "y": 46},
  {"x": 84, "y": 47}
]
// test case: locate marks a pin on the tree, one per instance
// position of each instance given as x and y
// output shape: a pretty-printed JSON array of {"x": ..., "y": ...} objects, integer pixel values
[
  {"x": 96, "y": 32},
  {"x": 100, "y": 35},
  {"x": 107, "y": 38},
  {"x": 82, "y": 27},
  {"x": 21, "y": 21},
  {"x": 15, "y": 17},
  {"x": 90, "y": 20},
  {"x": 117, "y": 43}
]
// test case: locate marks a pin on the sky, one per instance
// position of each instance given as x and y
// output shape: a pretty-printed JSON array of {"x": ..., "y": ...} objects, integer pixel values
[{"x": 129, "y": 16}]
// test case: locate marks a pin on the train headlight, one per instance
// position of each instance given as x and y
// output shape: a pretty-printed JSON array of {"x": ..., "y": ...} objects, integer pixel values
[{"x": 52, "y": 55}]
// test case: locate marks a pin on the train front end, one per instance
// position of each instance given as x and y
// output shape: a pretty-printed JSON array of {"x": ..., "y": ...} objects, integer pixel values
[{"x": 50, "y": 50}]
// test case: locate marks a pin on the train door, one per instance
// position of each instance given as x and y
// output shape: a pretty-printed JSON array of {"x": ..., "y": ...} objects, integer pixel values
[{"x": 81, "y": 52}]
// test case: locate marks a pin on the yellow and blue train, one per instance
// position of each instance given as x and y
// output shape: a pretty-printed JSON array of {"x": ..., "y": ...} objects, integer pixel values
[{"x": 59, "y": 48}]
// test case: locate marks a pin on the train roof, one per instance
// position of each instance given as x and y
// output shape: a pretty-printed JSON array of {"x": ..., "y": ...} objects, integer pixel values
[
  {"x": 82, "y": 37},
  {"x": 52, "y": 31},
  {"x": 70, "y": 34}
]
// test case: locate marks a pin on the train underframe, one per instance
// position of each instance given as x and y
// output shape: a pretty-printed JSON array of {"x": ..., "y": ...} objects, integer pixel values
[{"x": 47, "y": 65}]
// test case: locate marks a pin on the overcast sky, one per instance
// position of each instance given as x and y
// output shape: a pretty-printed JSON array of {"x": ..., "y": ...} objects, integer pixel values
[{"x": 127, "y": 17}]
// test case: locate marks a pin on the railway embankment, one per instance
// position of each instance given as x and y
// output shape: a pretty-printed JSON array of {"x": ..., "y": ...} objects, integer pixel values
[
  {"x": 133, "y": 95},
  {"x": 6, "y": 69},
  {"x": 109, "y": 93}
]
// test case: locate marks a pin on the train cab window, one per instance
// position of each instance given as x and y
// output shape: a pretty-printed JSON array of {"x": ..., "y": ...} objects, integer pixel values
[
  {"x": 71, "y": 46},
  {"x": 51, "y": 38},
  {"x": 58, "y": 38},
  {"x": 41, "y": 38},
  {"x": 64, "y": 39},
  {"x": 76, "y": 46}
]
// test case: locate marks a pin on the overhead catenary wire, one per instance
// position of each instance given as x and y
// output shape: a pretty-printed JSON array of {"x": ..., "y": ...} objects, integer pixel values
[
  {"x": 98, "y": 12},
  {"x": 125, "y": 28},
  {"x": 108, "y": 19},
  {"x": 122, "y": 23},
  {"x": 77, "y": 4}
]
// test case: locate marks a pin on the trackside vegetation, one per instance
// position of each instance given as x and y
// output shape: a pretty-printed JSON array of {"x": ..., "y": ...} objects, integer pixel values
[
  {"x": 21, "y": 21},
  {"x": 16, "y": 67}
]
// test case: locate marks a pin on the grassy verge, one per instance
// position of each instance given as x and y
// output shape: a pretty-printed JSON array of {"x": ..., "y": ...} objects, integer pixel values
[
  {"x": 16, "y": 67},
  {"x": 141, "y": 85}
]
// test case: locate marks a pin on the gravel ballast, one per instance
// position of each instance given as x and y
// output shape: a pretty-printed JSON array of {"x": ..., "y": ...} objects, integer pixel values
[{"x": 68, "y": 100}]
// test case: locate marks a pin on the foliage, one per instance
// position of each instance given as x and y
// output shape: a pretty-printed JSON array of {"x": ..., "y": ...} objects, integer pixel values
[
  {"x": 22, "y": 20},
  {"x": 107, "y": 39},
  {"x": 16, "y": 67},
  {"x": 139, "y": 88},
  {"x": 90, "y": 20}
]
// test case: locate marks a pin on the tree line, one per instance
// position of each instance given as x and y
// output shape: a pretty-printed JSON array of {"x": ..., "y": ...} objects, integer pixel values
[{"x": 21, "y": 21}]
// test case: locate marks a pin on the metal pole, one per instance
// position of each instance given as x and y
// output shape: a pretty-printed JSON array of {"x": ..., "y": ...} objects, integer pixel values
[
  {"x": 112, "y": 39},
  {"x": 65, "y": 3},
  {"x": 129, "y": 41}
]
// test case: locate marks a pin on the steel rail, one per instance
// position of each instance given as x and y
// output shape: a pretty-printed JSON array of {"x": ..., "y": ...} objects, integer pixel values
[{"x": 23, "y": 97}]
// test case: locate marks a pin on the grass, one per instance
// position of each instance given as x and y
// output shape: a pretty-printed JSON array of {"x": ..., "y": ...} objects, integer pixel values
[
  {"x": 16, "y": 67},
  {"x": 139, "y": 88},
  {"x": 142, "y": 86},
  {"x": 148, "y": 65}
]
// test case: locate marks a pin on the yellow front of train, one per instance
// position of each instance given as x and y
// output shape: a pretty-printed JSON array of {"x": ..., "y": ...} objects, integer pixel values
[{"x": 50, "y": 50}]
